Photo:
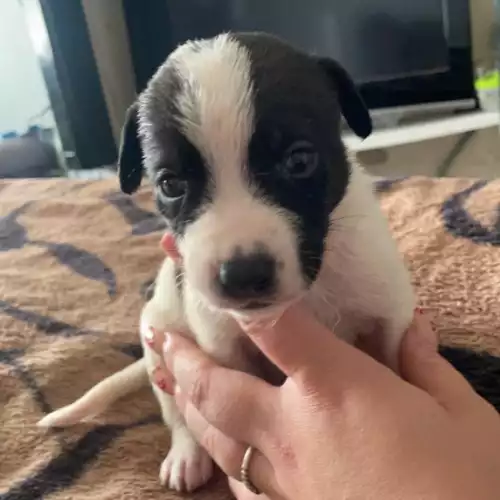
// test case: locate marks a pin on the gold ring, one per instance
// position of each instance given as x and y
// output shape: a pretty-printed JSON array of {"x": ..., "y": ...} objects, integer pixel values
[{"x": 245, "y": 465}]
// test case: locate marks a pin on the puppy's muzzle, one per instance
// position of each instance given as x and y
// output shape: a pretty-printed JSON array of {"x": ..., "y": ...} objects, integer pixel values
[{"x": 248, "y": 280}]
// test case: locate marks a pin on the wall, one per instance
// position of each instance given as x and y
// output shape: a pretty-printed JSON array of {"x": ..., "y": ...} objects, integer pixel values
[
  {"x": 109, "y": 40},
  {"x": 481, "y": 157},
  {"x": 22, "y": 88},
  {"x": 482, "y": 12},
  {"x": 111, "y": 47}
]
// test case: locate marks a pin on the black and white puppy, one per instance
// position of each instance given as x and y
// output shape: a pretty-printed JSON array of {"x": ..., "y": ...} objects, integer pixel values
[{"x": 241, "y": 138}]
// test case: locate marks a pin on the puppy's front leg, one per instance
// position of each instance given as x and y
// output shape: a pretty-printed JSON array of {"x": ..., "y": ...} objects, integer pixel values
[{"x": 187, "y": 465}]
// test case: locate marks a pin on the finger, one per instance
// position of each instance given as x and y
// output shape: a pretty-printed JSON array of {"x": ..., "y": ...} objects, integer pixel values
[
  {"x": 169, "y": 246},
  {"x": 154, "y": 339},
  {"x": 224, "y": 397},
  {"x": 424, "y": 367},
  {"x": 226, "y": 452},
  {"x": 163, "y": 379},
  {"x": 241, "y": 492},
  {"x": 371, "y": 344},
  {"x": 297, "y": 343},
  {"x": 160, "y": 376}
]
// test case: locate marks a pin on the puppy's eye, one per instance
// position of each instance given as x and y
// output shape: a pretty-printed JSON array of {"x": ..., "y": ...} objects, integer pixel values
[
  {"x": 300, "y": 161},
  {"x": 172, "y": 187}
]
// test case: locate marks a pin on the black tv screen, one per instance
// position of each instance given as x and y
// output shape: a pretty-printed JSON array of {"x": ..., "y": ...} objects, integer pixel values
[
  {"x": 374, "y": 40},
  {"x": 399, "y": 52}
]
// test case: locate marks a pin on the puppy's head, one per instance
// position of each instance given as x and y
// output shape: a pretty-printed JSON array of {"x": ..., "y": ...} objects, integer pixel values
[{"x": 240, "y": 136}]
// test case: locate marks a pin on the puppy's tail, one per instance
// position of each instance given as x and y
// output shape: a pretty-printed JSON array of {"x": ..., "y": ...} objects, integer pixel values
[{"x": 100, "y": 397}]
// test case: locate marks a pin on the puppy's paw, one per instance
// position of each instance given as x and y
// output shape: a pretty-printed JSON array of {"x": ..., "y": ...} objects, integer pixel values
[
  {"x": 64, "y": 417},
  {"x": 186, "y": 467}
]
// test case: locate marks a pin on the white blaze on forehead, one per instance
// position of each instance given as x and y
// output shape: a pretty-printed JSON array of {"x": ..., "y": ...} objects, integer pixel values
[
  {"x": 216, "y": 109},
  {"x": 216, "y": 103}
]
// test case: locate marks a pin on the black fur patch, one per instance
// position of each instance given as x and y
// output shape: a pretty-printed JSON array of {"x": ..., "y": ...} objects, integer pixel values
[
  {"x": 294, "y": 102},
  {"x": 168, "y": 151},
  {"x": 185, "y": 161},
  {"x": 296, "y": 97}
]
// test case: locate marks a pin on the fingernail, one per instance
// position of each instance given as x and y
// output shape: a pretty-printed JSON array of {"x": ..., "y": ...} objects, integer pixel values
[
  {"x": 168, "y": 342},
  {"x": 149, "y": 336},
  {"x": 161, "y": 381},
  {"x": 423, "y": 311},
  {"x": 425, "y": 334},
  {"x": 429, "y": 312},
  {"x": 180, "y": 399},
  {"x": 259, "y": 325},
  {"x": 169, "y": 246}
]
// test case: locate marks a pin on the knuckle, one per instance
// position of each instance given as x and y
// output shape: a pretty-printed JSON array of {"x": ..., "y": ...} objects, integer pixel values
[
  {"x": 210, "y": 442},
  {"x": 199, "y": 390},
  {"x": 227, "y": 455},
  {"x": 282, "y": 449},
  {"x": 232, "y": 462}
]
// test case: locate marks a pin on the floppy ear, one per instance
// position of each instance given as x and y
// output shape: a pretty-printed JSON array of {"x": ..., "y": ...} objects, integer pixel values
[
  {"x": 130, "y": 168},
  {"x": 351, "y": 103}
]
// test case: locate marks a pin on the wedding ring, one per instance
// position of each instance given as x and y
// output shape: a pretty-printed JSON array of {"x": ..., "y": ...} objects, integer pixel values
[{"x": 245, "y": 466}]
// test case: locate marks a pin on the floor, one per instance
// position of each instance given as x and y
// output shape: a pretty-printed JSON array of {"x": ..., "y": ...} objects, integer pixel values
[{"x": 480, "y": 158}]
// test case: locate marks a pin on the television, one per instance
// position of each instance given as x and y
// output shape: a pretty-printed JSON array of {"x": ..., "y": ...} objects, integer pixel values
[{"x": 401, "y": 54}]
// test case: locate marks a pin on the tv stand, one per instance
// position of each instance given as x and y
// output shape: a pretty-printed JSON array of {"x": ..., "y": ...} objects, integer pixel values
[
  {"x": 397, "y": 134},
  {"x": 394, "y": 133}
]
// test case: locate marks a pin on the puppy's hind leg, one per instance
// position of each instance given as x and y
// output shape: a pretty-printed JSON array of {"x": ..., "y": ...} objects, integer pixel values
[{"x": 100, "y": 397}]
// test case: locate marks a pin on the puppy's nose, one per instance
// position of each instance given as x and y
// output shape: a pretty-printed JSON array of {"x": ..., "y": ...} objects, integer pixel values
[{"x": 248, "y": 277}]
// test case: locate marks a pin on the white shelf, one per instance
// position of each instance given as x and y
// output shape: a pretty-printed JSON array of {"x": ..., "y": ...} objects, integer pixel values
[{"x": 423, "y": 131}]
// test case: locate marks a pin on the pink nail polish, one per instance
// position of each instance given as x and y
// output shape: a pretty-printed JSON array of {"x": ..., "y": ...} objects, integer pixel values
[
  {"x": 160, "y": 380},
  {"x": 149, "y": 336}
]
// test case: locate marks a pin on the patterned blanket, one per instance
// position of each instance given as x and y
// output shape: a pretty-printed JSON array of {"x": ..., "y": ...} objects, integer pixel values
[{"x": 75, "y": 260}]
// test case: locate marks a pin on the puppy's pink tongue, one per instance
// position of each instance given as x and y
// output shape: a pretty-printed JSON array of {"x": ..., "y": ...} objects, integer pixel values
[{"x": 169, "y": 246}]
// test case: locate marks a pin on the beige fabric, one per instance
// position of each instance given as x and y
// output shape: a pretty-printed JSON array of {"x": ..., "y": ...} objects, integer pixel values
[{"x": 74, "y": 260}]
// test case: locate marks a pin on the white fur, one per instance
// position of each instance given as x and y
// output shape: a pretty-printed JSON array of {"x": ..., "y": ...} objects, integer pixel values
[
  {"x": 363, "y": 278},
  {"x": 216, "y": 108},
  {"x": 362, "y": 282},
  {"x": 216, "y": 103},
  {"x": 186, "y": 466}
]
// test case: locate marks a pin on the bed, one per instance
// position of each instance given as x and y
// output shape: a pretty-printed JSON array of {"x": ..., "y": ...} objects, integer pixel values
[{"x": 76, "y": 260}]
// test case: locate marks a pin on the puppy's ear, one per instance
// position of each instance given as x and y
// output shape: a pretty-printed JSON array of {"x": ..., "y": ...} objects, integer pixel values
[
  {"x": 130, "y": 168},
  {"x": 351, "y": 103}
]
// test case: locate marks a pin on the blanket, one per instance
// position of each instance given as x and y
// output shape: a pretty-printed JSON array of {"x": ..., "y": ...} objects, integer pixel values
[{"x": 76, "y": 258}]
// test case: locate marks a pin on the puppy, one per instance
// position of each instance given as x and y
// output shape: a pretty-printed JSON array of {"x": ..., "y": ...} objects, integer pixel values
[{"x": 241, "y": 138}]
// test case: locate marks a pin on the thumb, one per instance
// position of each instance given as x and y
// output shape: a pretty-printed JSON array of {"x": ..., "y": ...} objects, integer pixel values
[
  {"x": 297, "y": 343},
  {"x": 423, "y": 366}
]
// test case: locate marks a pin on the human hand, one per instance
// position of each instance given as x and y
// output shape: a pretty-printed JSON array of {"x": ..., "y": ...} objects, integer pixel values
[{"x": 342, "y": 425}]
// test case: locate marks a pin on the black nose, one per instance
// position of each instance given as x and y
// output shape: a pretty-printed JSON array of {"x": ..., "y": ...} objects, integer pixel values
[{"x": 248, "y": 277}]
